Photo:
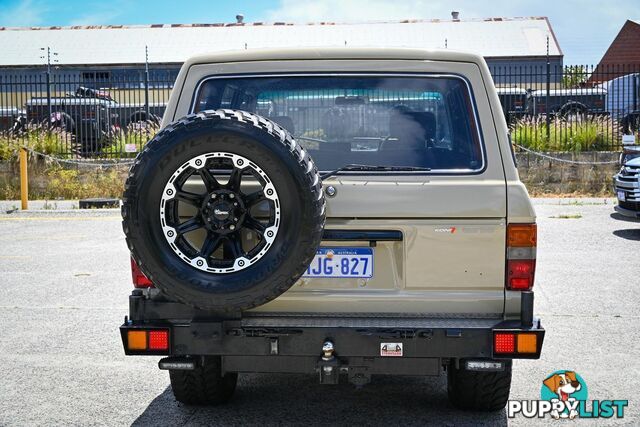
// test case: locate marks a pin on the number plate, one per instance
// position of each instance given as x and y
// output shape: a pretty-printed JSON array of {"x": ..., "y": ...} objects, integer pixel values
[
  {"x": 621, "y": 196},
  {"x": 342, "y": 262}
]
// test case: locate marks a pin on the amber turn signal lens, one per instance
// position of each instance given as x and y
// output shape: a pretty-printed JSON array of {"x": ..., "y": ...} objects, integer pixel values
[
  {"x": 137, "y": 340},
  {"x": 522, "y": 235},
  {"x": 527, "y": 343}
]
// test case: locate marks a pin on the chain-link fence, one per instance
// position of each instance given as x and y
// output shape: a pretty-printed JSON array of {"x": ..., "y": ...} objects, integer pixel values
[{"x": 94, "y": 116}]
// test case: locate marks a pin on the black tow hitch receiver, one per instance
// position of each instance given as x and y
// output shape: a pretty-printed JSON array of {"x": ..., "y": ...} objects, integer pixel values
[{"x": 328, "y": 365}]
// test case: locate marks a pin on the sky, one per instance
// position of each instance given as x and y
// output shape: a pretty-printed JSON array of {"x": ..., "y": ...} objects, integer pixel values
[{"x": 584, "y": 28}]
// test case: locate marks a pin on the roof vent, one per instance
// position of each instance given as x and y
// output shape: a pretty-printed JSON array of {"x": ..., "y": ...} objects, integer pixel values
[
  {"x": 239, "y": 18},
  {"x": 455, "y": 15}
]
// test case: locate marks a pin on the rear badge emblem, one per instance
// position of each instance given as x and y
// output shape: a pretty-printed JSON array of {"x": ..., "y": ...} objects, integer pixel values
[{"x": 450, "y": 230}]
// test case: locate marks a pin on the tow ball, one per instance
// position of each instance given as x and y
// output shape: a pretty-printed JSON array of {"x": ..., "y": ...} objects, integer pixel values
[{"x": 328, "y": 365}]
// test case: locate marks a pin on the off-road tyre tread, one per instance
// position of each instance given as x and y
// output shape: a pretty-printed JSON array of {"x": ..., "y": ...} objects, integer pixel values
[
  {"x": 479, "y": 391},
  {"x": 312, "y": 182},
  {"x": 205, "y": 385}
]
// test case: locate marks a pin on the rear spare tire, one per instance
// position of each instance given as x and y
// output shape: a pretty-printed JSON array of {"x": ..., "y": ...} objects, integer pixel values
[{"x": 223, "y": 210}]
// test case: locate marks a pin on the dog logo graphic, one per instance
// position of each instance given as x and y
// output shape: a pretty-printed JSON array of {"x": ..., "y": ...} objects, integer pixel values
[{"x": 566, "y": 387}]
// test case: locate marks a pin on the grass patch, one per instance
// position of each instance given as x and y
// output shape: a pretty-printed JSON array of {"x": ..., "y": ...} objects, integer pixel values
[
  {"x": 567, "y": 216},
  {"x": 57, "y": 182}
]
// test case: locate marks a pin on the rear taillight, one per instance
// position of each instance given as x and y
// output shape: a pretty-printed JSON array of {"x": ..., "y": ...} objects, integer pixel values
[
  {"x": 517, "y": 343},
  {"x": 521, "y": 256},
  {"x": 138, "y": 277},
  {"x": 147, "y": 341}
]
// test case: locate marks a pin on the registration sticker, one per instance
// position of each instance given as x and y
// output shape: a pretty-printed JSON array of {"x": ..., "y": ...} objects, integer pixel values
[{"x": 391, "y": 349}]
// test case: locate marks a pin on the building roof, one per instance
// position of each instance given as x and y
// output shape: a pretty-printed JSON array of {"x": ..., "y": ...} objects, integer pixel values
[
  {"x": 622, "y": 56},
  {"x": 624, "y": 48},
  {"x": 86, "y": 45}
]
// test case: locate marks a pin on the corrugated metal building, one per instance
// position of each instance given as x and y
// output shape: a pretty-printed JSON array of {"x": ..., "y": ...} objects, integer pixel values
[{"x": 105, "y": 51}]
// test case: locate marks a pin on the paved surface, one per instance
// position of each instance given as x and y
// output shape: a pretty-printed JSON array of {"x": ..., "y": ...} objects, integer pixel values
[{"x": 63, "y": 293}]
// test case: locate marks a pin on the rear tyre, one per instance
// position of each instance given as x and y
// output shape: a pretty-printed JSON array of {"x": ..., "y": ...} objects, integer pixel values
[
  {"x": 478, "y": 391},
  {"x": 205, "y": 385}
]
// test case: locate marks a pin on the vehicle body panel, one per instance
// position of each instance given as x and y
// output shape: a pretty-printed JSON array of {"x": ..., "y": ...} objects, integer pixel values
[
  {"x": 432, "y": 271},
  {"x": 627, "y": 183}
]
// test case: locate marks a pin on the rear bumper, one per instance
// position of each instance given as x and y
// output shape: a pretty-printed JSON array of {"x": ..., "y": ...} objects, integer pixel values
[{"x": 293, "y": 343}]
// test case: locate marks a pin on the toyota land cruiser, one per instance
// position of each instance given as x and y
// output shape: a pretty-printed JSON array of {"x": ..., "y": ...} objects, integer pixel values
[{"x": 337, "y": 212}]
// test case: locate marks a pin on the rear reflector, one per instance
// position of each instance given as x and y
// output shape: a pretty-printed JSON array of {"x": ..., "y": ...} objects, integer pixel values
[{"x": 138, "y": 277}]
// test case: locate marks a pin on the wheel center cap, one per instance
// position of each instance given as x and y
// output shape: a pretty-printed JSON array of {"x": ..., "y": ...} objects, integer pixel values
[{"x": 221, "y": 211}]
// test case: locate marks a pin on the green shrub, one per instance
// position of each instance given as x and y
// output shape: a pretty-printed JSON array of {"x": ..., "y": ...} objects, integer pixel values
[
  {"x": 138, "y": 133},
  {"x": 597, "y": 133},
  {"x": 36, "y": 137}
]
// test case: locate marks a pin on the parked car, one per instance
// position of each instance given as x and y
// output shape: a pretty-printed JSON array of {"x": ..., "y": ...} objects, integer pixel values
[
  {"x": 90, "y": 114},
  {"x": 514, "y": 102},
  {"x": 372, "y": 224},
  {"x": 627, "y": 183},
  {"x": 623, "y": 101},
  {"x": 577, "y": 103},
  {"x": 8, "y": 116}
]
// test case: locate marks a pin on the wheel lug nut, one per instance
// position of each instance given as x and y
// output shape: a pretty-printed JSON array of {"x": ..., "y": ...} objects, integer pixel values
[
  {"x": 235, "y": 203},
  {"x": 232, "y": 227},
  {"x": 231, "y": 196}
]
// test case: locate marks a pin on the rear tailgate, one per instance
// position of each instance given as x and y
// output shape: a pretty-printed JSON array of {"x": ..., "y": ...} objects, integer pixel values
[{"x": 451, "y": 259}]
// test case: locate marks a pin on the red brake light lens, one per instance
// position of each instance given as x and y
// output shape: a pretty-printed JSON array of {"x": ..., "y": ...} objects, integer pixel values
[
  {"x": 138, "y": 277},
  {"x": 504, "y": 343},
  {"x": 158, "y": 340},
  {"x": 520, "y": 274}
]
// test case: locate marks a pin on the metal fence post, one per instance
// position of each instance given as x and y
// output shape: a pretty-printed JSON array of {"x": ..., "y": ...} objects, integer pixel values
[
  {"x": 547, "y": 100},
  {"x": 24, "y": 179},
  {"x": 146, "y": 82}
]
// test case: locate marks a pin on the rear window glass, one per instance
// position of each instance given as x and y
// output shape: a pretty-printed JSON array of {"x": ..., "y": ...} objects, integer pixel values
[{"x": 426, "y": 122}]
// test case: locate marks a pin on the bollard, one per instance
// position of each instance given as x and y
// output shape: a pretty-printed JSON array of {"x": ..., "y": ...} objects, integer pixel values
[{"x": 24, "y": 179}]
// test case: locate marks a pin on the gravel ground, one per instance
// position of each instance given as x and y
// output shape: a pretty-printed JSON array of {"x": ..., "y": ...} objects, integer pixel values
[{"x": 65, "y": 281}]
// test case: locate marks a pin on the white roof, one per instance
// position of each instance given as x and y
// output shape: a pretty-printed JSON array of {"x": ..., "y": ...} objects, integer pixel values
[{"x": 492, "y": 37}]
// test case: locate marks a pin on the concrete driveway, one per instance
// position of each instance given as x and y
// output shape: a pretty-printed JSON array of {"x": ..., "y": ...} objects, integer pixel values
[{"x": 63, "y": 293}]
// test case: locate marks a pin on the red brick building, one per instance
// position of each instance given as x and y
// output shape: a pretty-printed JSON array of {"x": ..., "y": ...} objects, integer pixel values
[{"x": 623, "y": 56}]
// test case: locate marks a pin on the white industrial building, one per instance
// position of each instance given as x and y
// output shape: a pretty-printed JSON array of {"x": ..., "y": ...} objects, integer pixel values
[{"x": 103, "y": 51}]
